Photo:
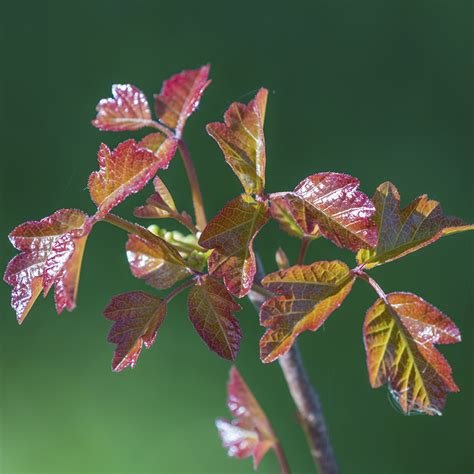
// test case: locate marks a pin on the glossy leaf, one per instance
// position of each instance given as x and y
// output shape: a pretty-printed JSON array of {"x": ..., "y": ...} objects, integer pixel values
[
  {"x": 242, "y": 141},
  {"x": 343, "y": 213},
  {"x": 250, "y": 432},
  {"x": 180, "y": 96},
  {"x": 125, "y": 171},
  {"x": 127, "y": 110},
  {"x": 402, "y": 231},
  {"x": 51, "y": 252},
  {"x": 211, "y": 309},
  {"x": 137, "y": 317},
  {"x": 399, "y": 339},
  {"x": 156, "y": 261},
  {"x": 307, "y": 295},
  {"x": 231, "y": 233}
]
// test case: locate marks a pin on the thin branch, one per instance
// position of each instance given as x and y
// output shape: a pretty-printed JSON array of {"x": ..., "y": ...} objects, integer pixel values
[
  {"x": 280, "y": 454},
  {"x": 303, "y": 249}
]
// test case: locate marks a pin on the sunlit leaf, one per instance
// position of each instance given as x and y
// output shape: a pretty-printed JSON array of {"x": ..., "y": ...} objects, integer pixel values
[
  {"x": 156, "y": 261},
  {"x": 242, "y": 141},
  {"x": 399, "y": 340},
  {"x": 137, "y": 317},
  {"x": 125, "y": 171},
  {"x": 307, "y": 295},
  {"x": 127, "y": 110},
  {"x": 342, "y": 212},
  {"x": 250, "y": 432},
  {"x": 231, "y": 233},
  {"x": 180, "y": 96},
  {"x": 211, "y": 310},
  {"x": 402, "y": 231}
]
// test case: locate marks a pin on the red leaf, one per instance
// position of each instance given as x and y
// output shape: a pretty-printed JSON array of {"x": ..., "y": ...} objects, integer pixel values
[
  {"x": 125, "y": 171},
  {"x": 180, "y": 96},
  {"x": 399, "y": 336},
  {"x": 250, "y": 433},
  {"x": 137, "y": 317},
  {"x": 127, "y": 110},
  {"x": 211, "y": 309},
  {"x": 231, "y": 234},
  {"x": 343, "y": 213}
]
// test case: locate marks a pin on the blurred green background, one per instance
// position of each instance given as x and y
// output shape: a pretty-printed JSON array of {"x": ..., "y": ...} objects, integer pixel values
[{"x": 378, "y": 89}]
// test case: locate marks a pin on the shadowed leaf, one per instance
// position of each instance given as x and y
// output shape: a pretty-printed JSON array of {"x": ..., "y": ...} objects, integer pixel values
[
  {"x": 399, "y": 340},
  {"x": 242, "y": 141},
  {"x": 402, "y": 231},
  {"x": 308, "y": 294},
  {"x": 137, "y": 317}
]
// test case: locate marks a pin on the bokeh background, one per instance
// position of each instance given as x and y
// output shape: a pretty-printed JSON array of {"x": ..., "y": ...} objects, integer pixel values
[{"x": 378, "y": 89}]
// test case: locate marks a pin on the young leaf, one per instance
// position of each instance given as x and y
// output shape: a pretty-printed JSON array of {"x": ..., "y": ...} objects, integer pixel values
[
  {"x": 156, "y": 261},
  {"x": 231, "y": 233},
  {"x": 211, "y": 308},
  {"x": 343, "y": 213},
  {"x": 137, "y": 317},
  {"x": 250, "y": 433},
  {"x": 308, "y": 294},
  {"x": 127, "y": 110},
  {"x": 241, "y": 140},
  {"x": 125, "y": 171},
  {"x": 180, "y": 96},
  {"x": 399, "y": 337},
  {"x": 51, "y": 252},
  {"x": 402, "y": 231}
]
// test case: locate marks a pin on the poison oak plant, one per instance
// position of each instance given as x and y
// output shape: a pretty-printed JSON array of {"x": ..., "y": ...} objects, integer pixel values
[{"x": 216, "y": 263}]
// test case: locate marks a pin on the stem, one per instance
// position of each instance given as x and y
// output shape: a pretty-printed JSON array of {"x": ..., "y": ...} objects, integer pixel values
[
  {"x": 304, "y": 247},
  {"x": 362, "y": 275},
  {"x": 165, "y": 130},
  {"x": 125, "y": 225},
  {"x": 280, "y": 454},
  {"x": 194, "y": 183},
  {"x": 179, "y": 289}
]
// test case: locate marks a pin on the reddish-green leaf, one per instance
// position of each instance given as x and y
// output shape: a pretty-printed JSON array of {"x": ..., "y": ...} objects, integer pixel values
[
  {"x": 342, "y": 212},
  {"x": 124, "y": 171},
  {"x": 402, "y": 231},
  {"x": 399, "y": 336},
  {"x": 137, "y": 317},
  {"x": 51, "y": 253},
  {"x": 231, "y": 234},
  {"x": 127, "y": 110},
  {"x": 211, "y": 310},
  {"x": 250, "y": 432},
  {"x": 308, "y": 294},
  {"x": 180, "y": 96},
  {"x": 242, "y": 141},
  {"x": 156, "y": 261}
]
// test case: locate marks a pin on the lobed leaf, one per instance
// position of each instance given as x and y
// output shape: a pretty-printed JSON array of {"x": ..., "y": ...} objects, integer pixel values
[
  {"x": 127, "y": 110},
  {"x": 402, "y": 231},
  {"x": 399, "y": 336},
  {"x": 342, "y": 212},
  {"x": 125, "y": 171},
  {"x": 242, "y": 141},
  {"x": 307, "y": 295},
  {"x": 211, "y": 309},
  {"x": 231, "y": 233},
  {"x": 137, "y": 317},
  {"x": 180, "y": 96},
  {"x": 250, "y": 433}
]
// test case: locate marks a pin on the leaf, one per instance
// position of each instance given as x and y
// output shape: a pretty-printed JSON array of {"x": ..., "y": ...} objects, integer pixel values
[
  {"x": 399, "y": 340},
  {"x": 242, "y": 141},
  {"x": 125, "y": 171},
  {"x": 137, "y": 317},
  {"x": 343, "y": 213},
  {"x": 250, "y": 433},
  {"x": 211, "y": 308},
  {"x": 294, "y": 215},
  {"x": 127, "y": 110},
  {"x": 180, "y": 96},
  {"x": 231, "y": 233},
  {"x": 51, "y": 253},
  {"x": 308, "y": 294},
  {"x": 157, "y": 262},
  {"x": 402, "y": 231}
]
